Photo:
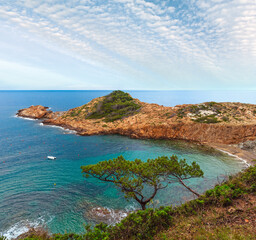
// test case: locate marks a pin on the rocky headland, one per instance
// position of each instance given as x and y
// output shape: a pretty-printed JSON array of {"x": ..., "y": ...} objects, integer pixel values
[{"x": 227, "y": 126}]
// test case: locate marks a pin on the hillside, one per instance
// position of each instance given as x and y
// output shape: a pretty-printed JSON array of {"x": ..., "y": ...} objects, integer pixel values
[{"x": 110, "y": 108}]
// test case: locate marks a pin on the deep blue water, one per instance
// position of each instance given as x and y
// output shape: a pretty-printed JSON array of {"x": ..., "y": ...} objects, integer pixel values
[{"x": 35, "y": 191}]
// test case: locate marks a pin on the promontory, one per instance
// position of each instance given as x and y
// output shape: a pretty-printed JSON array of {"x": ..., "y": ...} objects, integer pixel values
[{"x": 228, "y": 126}]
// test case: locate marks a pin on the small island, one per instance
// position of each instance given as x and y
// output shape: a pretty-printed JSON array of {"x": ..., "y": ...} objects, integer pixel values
[{"x": 227, "y": 126}]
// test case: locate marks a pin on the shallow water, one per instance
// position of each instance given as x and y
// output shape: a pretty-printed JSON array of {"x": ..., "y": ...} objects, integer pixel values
[{"x": 36, "y": 191}]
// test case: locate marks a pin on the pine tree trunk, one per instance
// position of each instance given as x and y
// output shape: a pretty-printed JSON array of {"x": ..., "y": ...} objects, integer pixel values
[
  {"x": 143, "y": 205},
  {"x": 197, "y": 194}
]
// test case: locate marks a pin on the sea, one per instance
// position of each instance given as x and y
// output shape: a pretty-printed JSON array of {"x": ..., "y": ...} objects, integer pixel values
[{"x": 54, "y": 194}]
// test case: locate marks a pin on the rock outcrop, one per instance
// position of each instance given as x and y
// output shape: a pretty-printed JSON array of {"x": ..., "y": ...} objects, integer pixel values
[
  {"x": 220, "y": 123},
  {"x": 35, "y": 112}
]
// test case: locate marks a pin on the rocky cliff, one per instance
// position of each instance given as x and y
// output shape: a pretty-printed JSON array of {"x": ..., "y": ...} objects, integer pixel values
[
  {"x": 35, "y": 112},
  {"x": 220, "y": 123}
]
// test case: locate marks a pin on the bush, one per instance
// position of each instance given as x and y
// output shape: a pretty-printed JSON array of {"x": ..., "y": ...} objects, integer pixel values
[
  {"x": 207, "y": 119},
  {"x": 225, "y": 119},
  {"x": 143, "y": 224}
]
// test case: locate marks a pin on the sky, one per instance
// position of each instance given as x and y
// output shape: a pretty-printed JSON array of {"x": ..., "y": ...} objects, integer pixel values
[{"x": 127, "y": 44}]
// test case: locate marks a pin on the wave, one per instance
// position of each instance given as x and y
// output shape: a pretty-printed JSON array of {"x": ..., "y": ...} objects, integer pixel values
[
  {"x": 45, "y": 125},
  {"x": 235, "y": 156},
  {"x": 31, "y": 119},
  {"x": 23, "y": 227},
  {"x": 62, "y": 128}
]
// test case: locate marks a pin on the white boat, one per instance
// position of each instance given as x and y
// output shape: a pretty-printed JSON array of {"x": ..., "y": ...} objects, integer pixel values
[{"x": 51, "y": 157}]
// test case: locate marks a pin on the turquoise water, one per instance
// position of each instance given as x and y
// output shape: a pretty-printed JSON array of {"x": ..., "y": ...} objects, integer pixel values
[{"x": 36, "y": 191}]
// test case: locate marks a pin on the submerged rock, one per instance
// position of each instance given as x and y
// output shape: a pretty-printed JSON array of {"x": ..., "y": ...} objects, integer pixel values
[{"x": 106, "y": 215}]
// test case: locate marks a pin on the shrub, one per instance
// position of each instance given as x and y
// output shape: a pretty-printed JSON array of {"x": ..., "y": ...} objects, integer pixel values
[
  {"x": 114, "y": 106},
  {"x": 142, "y": 224},
  {"x": 225, "y": 119},
  {"x": 207, "y": 119}
]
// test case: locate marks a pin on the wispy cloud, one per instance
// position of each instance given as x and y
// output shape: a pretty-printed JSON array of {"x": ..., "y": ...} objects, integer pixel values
[{"x": 147, "y": 41}]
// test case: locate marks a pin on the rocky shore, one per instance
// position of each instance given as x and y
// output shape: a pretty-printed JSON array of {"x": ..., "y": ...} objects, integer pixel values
[{"x": 225, "y": 126}]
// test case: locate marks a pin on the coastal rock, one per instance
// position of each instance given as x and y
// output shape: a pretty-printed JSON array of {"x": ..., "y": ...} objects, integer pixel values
[
  {"x": 35, "y": 112},
  {"x": 248, "y": 146},
  {"x": 106, "y": 215},
  {"x": 39, "y": 232}
]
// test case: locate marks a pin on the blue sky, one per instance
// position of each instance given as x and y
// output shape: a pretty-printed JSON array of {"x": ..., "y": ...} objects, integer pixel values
[{"x": 128, "y": 44}]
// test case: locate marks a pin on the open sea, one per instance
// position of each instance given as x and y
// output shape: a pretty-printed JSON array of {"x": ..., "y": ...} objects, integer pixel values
[{"x": 35, "y": 191}]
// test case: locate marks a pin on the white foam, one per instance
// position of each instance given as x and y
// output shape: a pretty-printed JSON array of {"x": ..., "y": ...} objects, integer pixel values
[
  {"x": 26, "y": 118},
  {"x": 15, "y": 231},
  {"x": 22, "y": 227},
  {"x": 70, "y": 131},
  {"x": 62, "y": 128},
  {"x": 235, "y": 156},
  {"x": 54, "y": 126}
]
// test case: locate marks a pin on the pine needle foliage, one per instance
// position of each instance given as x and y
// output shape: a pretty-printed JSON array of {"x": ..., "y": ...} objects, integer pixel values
[{"x": 140, "y": 180}]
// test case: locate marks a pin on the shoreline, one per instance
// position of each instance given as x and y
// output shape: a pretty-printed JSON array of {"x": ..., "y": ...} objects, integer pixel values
[{"x": 232, "y": 150}]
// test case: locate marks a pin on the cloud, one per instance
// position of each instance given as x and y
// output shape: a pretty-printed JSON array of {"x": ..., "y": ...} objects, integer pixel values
[{"x": 139, "y": 38}]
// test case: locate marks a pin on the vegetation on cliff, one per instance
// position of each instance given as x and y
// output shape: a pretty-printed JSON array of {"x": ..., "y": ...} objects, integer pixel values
[
  {"x": 133, "y": 177},
  {"x": 213, "y": 112},
  {"x": 114, "y": 106}
]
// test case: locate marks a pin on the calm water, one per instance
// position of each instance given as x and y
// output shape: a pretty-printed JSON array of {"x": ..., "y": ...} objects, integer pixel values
[{"x": 35, "y": 191}]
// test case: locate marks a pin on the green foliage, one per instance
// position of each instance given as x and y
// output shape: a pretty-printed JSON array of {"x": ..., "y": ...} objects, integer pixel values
[
  {"x": 211, "y": 104},
  {"x": 114, "y": 106},
  {"x": 207, "y": 119},
  {"x": 132, "y": 177},
  {"x": 99, "y": 232},
  {"x": 225, "y": 119},
  {"x": 142, "y": 224},
  {"x": 68, "y": 236},
  {"x": 3, "y": 238},
  {"x": 249, "y": 177},
  {"x": 220, "y": 194},
  {"x": 181, "y": 112},
  {"x": 224, "y": 194}
]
